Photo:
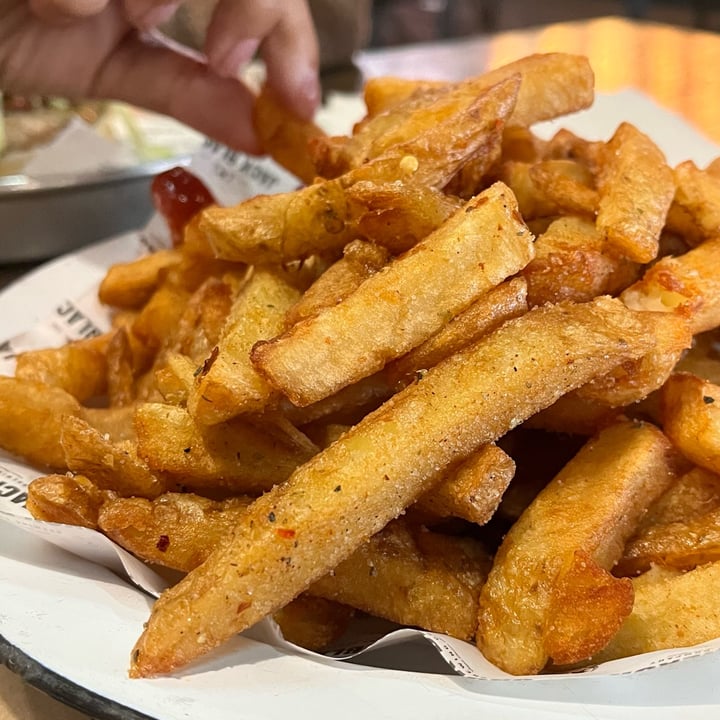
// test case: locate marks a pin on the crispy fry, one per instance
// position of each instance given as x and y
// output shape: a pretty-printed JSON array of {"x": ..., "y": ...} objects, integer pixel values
[
  {"x": 228, "y": 385},
  {"x": 120, "y": 370},
  {"x": 31, "y": 416},
  {"x": 632, "y": 381},
  {"x": 130, "y": 285},
  {"x": 313, "y": 622},
  {"x": 400, "y": 213},
  {"x": 680, "y": 545},
  {"x": 691, "y": 418},
  {"x": 474, "y": 490},
  {"x": 636, "y": 188},
  {"x": 175, "y": 530},
  {"x": 68, "y": 499},
  {"x": 591, "y": 508},
  {"x": 553, "y": 84},
  {"x": 421, "y": 114},
  {"x": 382, "y": 465},
  {"x": 110, "y": 465},
  {"x": 233, "y": 455},
  {"x": 571, "y": 263},
  {"x": 670, "y": 610},
  {"x": 285, "y": 138},
  {"x": 360, "y": 260},
  {"x": 397, "y": 309},
  {"x": 697, "y": 195},
  {"x": 687, "y": 285},
  {"x": 568, "y": 184},
  {"x": 321, "y": 217},
  {"x": 488, "y": 312},
  {"x": 413, "y": 577},
  {"x": 79, "y": 368}
]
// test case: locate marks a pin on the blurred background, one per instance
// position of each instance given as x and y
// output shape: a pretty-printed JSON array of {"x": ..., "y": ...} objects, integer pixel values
[{"x": 405, "y": 21}]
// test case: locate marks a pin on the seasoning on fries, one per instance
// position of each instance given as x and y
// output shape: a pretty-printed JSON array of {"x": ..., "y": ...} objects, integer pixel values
[{"x": 313, "y": 405}]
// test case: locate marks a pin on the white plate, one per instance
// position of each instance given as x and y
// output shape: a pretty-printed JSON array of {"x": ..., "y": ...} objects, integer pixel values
[{"x": 78, "y": 622}]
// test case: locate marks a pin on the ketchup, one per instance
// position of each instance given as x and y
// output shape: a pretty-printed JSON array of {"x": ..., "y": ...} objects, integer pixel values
[{"x": 178, "y": 196}]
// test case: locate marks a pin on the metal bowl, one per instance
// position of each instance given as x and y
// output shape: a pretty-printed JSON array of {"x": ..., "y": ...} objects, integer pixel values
[{"x": 40, "y": 219}]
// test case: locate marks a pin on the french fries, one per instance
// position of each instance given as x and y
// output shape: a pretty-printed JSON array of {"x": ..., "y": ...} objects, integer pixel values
[
  {"x": 394, "y": 310},
  {"x": 550, "y": 595},
  {"x": 636, "y": 188},
  {"x": 464, "y": 379},
  {"x": 374, "y": 471}
]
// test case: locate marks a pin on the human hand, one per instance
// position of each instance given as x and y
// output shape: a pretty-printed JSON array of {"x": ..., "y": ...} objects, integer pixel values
[{"x": 92, "y": 49}]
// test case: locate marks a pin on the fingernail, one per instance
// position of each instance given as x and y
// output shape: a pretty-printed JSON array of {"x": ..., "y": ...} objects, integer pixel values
[
  {"x": 308, "y": 94},
  {"x": 156, "y": 15},
  {"x": 228, "y": 63}
]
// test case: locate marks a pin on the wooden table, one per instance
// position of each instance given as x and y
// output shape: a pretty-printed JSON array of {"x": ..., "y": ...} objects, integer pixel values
[{"x": 677, "y": 67}]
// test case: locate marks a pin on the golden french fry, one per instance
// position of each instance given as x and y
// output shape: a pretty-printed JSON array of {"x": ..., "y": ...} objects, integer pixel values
[
  {"x": 313, "y": 622},
  {"x": 586, "y": 607},
  {"x": 110, "y": 465},
  {"x": 691, "y": 496},
  {"x": 568, "y": 184},
  {"x": 233, "y": 455},
  {"x": 120, "y": 370},
  {"x": 574, "y": 415},
  {"x": 68, "y": 499},
  {"x": 687, "y": 285},
  {"x": 413, "y": 577},
  {"x": 283, "y": 137},
  {"x": 360, "y": 260},
  {"x": 321, "y": 217},
  {"x": 421, "y": 115},
  {"x": 346, "y": 406},
  {"x": 691, "y": 418},
  {"x": 571, "y": 263},
  {"x": 31, "y": 416},
  {"x": 636, "y": 188},
  {"x": 175, "y": 530},
  {"x": 79, "y": 368},
  {"x": 159, "y": 318},
  {"x": 680, "y": 545},
  {"x": 397, "y": 309},
  {"x": 115, "y": 422},
  {"x": 382, "y": 465},
  {"x": 474, "y": 490},
  {"x": 488, "y": 312},
  {"x": 400, "y": 213},
  {"x": 635, "y": 380},
  {"x": 531, "y": 200},
  {"x": 204, "y": 316},
  {"x": 131, "y": 284},
  {"x": 591, "y": 507},
  {"x": 565, "y": 145},
  {"x": 671, "y": 610},
  {"x": 697, "y": 194},
  {"x": 552, "y": 84},
  {"x": 384, "y": 92},
  {"x": 228, "y": 385}
]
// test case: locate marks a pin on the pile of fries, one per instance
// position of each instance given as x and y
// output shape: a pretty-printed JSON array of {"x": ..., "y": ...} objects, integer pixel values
[{"x": 463, "y": 379}]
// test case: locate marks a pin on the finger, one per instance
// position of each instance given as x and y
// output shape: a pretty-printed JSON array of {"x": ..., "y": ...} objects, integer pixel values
[
  {"x": 291, "y": 55},
  {"x": 284, "y": 32},
  {"x": 148, "y": 14},
  {"x": 58, "y": 12},
  {"x": 168, "y": 83}
]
